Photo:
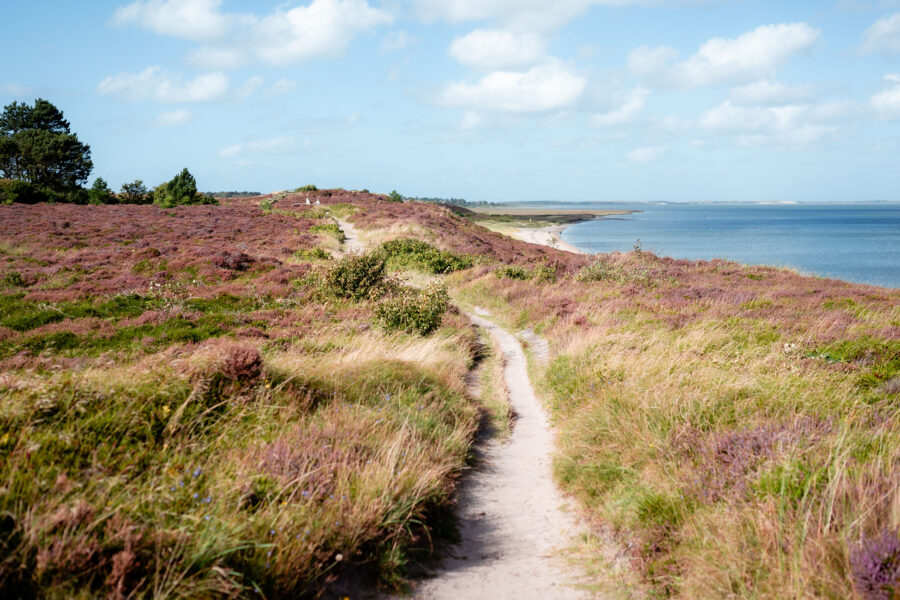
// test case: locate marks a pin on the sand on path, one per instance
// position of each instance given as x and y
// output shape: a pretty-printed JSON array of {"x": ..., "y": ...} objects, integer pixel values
[
  {"x": 352, "y": 241},
  {"x": 511, "y": 518}
]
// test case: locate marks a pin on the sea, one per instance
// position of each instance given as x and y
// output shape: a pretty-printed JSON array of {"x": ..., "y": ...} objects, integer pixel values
[{"x": 857, "y": 242}]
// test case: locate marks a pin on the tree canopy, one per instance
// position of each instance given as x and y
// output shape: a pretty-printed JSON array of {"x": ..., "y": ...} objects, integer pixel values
[{"x": 37, "y": 146}]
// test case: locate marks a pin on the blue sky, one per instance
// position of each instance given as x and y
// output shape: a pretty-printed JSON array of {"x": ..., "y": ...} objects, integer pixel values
[{"x": 498, "y": 100}]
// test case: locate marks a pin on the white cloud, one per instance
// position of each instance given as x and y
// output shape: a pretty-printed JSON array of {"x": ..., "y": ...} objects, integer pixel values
[
  {"x": 634, "y": 103},
  {"x": 173, "y": 118},
  {"x": 754, "y": 54},
  {"x": 541, "y": 88},
  {"x": 497, "y": 49},
  {"x": 646, "y": 154},
  {"x": 397, "y": 40},
  {"x": 285, "y": 36},
  {"x": 154, "y": 83},
  {"x": 883, "y": 35},
  {"x": 770, "y": 92},
  {"x": 791, "y": 124},
  {"x": 270, "y": 146},
  {"x": 189, "y": 19},
  {"x": 887, "y": 103}
]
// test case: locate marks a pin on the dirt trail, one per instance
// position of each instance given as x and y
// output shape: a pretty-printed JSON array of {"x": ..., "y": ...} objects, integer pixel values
[
  {"x": 352, "y": 242},
  {"x": 510, "y": 517}
]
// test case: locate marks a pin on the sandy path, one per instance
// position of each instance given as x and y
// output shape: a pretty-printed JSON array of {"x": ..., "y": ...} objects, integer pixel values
[
  {"x": 352, "y": 243},
  {"x": 510, "y": 517}
]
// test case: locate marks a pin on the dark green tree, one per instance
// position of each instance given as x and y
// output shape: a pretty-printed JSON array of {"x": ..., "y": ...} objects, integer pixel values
[
  {"x": 100, "y": 193},
  {"x": 181, "y": 190},
  {"x": 135, "y": 193},
  {"x": 37, "y": 146}
]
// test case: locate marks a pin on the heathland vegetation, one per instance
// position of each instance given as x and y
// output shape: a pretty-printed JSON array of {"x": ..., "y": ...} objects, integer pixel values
[{"x": 217, "y": 401}]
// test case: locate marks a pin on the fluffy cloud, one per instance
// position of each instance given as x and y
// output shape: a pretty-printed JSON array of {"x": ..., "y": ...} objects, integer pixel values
[
  {"x": 720, "y": 60},
  {"x": 887, "y": 103},
  {"x": 791, "y": 124},
  {"x": 634, "y": 103},
  {"x": 646, "y": 154},
  {"x": 544, "y": 87},
  {"x": 173, "y": 118},
  {"x": 154, "y": 83},
  {"x": 285, "y": 36},
  {"x": 497, "y": 49},
  {"x": 770, "y": 92},
  {"x": 883, "y": 35},
  {"x": 189, "y": 19}
]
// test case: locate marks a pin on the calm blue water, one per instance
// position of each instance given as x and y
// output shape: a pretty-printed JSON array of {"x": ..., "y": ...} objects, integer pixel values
[{"x": 855, "y": 242}]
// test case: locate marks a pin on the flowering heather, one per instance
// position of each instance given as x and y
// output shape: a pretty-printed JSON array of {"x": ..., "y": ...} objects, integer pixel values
[
  {"x": 179, "y": 415},
  {"x": 876, "y": 566},
  {"x": 736, "y": 425}
]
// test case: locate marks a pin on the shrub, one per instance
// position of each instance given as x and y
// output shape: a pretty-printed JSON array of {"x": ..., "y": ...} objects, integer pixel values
[
  {"x": 181, "y": 190},
  {"x": 13, "y": 279},
  {"x": 416, "y": 253},
  {"x": 544, "y": 273},
  {"x": 100, "y": 193},
  {"x": 307, "y": 188},
  {"x": 512, "y": 272},
  {"x": 395, "y": 196},
  {"x": 312, "y": 254},
  {"x": 356, "y": 276},
  {"x": 414, "y": 311},
  {"x": 135, "y": 193},
  {"x": 598, "y": 271},
  {"x": 876, "y": 566},
  {"x": 14, "y": 190}
]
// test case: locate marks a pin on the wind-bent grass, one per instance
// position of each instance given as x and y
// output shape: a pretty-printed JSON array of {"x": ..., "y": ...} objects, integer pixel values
[
  {"x": 742, "y": 439},
  {"x": 203, "y": 422}
]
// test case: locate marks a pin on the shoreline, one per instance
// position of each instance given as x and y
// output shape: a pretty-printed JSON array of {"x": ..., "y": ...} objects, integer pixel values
[{"x": 545, "y": 236}]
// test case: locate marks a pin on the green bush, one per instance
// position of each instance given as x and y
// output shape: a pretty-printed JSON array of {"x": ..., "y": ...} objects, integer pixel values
[
  {"x": 512, "y": 272},
  {"x": 307, "y": 188},
  {"x": 180, "y": 191},
  {"x": 357, "y": 276},
  {"x": 135, "y": 193},
  {"x": 14, "y": 190},
  {"x": 395, "y": 196},
  {"x": 544, "y": 273},
  {"x": 312, "y": 254},
  {"x": 419, "y": 254},
  {"x": 414, "y": 311},
  {"x": 598, "y": 271},
  {"x": 100, "y": 193},
  {"x": 13, "y": 279}
]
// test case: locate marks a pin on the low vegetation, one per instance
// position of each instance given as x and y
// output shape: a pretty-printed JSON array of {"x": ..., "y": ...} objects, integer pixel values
[
  {"x": 182, "y": 418},
  {"x": 737, "y": 426},
  {"x": 200, "y": 401}
]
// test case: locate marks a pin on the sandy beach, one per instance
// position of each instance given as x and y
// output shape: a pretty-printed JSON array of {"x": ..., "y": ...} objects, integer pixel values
[{"x": 545, "y": 236}]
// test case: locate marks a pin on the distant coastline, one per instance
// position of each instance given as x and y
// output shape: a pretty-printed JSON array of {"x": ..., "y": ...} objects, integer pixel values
[{"x": 543, "y": 226}]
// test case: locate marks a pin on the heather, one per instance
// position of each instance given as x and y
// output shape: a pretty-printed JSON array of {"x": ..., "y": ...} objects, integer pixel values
[
  {"x": 735, "y": 426},
  {"x": 187, "y": 411}
]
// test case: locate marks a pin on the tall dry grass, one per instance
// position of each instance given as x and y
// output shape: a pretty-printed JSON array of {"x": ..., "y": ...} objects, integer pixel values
[{"x": 736, "y": 426}]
